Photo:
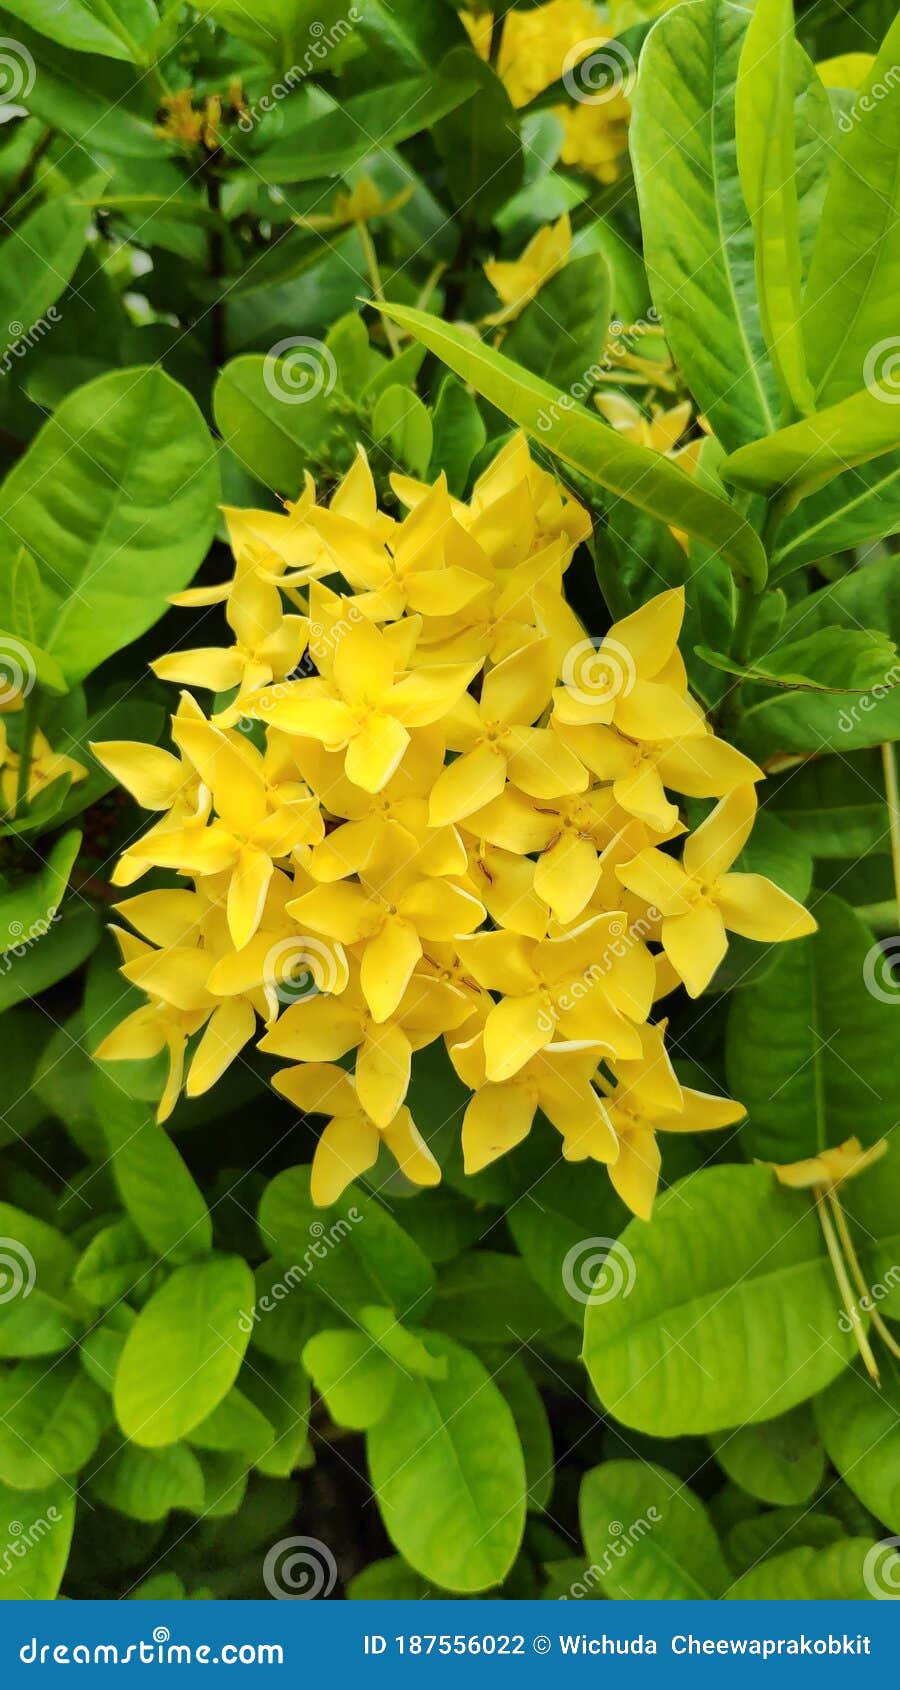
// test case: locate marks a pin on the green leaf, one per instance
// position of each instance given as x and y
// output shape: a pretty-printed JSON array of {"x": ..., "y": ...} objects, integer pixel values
[
  {"x": 388, "y": 1580},
  {"x": 834, "y": 806},
  {"x": 479, "y": 141},
  {"x": 37, "y": 1530},
  {"x": 698, "y": 246},
  {"x": 488, "y": 1298},
  {"x": 667, "y": 1551},
  {"x": 119, "y": 31},
  {"x": 780, "y": 1461},
  {"x": 116, "y": 500},
  {"x": 146, "y": 1484},
  {"x": 873, "y": 1202},
  {"x": 516, "y": 1386},
  {"x": 449, "y": 1476},
  {"x": 234, "y": 1424},
  {"x": 459, "y": 435},
  {"x": 281, "y": 29},
  {"x": 160, "y": 1195},
  {"x": 37, "y": 1316},
  {"x": 561, "y": 335},
  {"x": 281, "y": 1391},
  {"x": 810, "y": 453},
  {"x": 829, "y": 660},
  {"x": 834, "y": 1574},
  {"x": 860, "y": 1428},
  {"x": 183, "y": 1353},
  {"x": 354, "y": 1253},
  {"x": 809, "y": 1049},
  {"x": 645, "y": 478},
  {"x": 861, "y": 505},
  {"x": 850, "y": 319},
  {"x": 401, "y": 423},
  {"x": 113, "y": 1264},
  {"x": 27, "y": 914},
  {"x": 693, "y": 1347},
  {"x": 272, "y": 432},
  {"x": 776, "y": 1531},
  {"x": 555, "y": 1215},
  {"x": 51, "y": 1421},
  {"x": 764, "y": 123},
  {"x": 37, "y": 263},
  {"x": 400, "y": 1344},
  {"x": 357, "y": 1381}
]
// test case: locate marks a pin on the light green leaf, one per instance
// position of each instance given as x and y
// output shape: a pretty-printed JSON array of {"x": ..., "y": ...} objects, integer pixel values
[
  {"x": 234, "y": 1424},
  {"x": 400, "y": 1344},
  {"x": 37, "y": 262},
  {"x": 31, "y": 968},
  {"x": 183, "y": 1353},
  {"x": 810, "y": 453},
  {"x": 357, "y": 1381},
  {"x": 401, "y": 423},
  {"x": 561, "y": 335},
  {"x": 37, "y": 1530},
  {"x": 853, "y": 509},
  {"x": 764, "y": 122},
  {"x": 37, "y": 1315},
  {"x": 698, "y": 246},
  {"x": 27, "y": 915},
  {"x": 693, "y": 1347},
  {"x": 119, "y": 30},
  {"x": 354, "y": 1253},
  {"x": 115, "y": 499},
  {"x": 114, "y": 1263},
  {"x": 850, "y": 317},
  {"x": 459, "y": 434},
  {"x": 644, "y": 478},
  {"x": 479, "y": 141},
  {"x": 516, "y": 1386},
  {"x": 153, "y": 1181},
  {"x": 780, "y": 1461},
  {"x": 449, "y": 1476},
  {"x": 666, "y": 1550},
  {"x": 280, "y": 1391},
  {"x": 146, "y": 1484},
  {"x": 51, "y": 1421},
  {"x": 262, "y": 421},
  {"x": 809, "y": 1050},
  {"x": 834, "y": 1574},
  {"x": 860, "y": 1427}
]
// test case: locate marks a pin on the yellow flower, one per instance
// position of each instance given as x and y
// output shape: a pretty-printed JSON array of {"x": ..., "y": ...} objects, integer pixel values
[
  {"x": 646, "y": 1099},
  {"x": 634, "y": 678},
  {"x": 350, "y": 1143},
  {"x": 521, "y": 280},
  {"x": 363, "y": 202},
  {"x": 501, "y": 1114},
  {"x": 830, "y": 1168},
  {"x": 44, "y": 767},
  {"x": 699, "y": 899}
]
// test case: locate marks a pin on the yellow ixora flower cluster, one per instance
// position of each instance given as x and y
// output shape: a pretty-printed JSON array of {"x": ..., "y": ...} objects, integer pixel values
[
  {"x": 536, "y": 47},
  {"x": 44, "y": 765},
  {"x": 452, "y": 826}
]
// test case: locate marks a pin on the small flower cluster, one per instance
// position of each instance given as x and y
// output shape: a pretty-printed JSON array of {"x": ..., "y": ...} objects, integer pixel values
[
  {"x": 44, "y": 765},
  {"x": 451, "y": 823}
]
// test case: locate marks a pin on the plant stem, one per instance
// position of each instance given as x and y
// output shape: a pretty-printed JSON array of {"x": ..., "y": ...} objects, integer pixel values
[
  {"x": 892, "y": 798},
  {"x": 844, "y": 1286},
  {"x": 26, "y": 174},
  {"x": 29, "y": 724},
  {"x": 371, "y": 257},
  {"x": 497, "y": 23},
  {"x": 862, "y": 1284},
  {"x": 219, "y": 335}
]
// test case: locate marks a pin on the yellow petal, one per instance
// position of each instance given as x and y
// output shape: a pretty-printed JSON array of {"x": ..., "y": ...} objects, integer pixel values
[
  {"x": 318, "y": 1030},
  {"x": 151, "y": 775},
  {"x": 318, "y": 1088},
  {"x": 348, "y": 1147},
  {"x": 363, "y": 663},
  {"x": 466, "y": 784},
  {"x": 658, "y": 879},
  {"x": 342, "y": 911},
  {"x": 375, "y": 751},
  {"x": 227, "y": 1031},
  {"x": 498, "y": 1118},
  {"x": 217, "y": 668},
  {"x": 712, "y": 848},
  {"x": 382, "y": 1072},
  {"x": 650, "y": 634},
  {"x": 635, "y": 1173},
  {"x": 542, "y": 765},
  {"x": 428, "y": 694},
  {"x": 758, "y": 909},
  {"x": 388, "y": 961},
  {"x": 566, "y": 876},
  {"x": 515, "y": 1030},
  {"x": 695, "y": 945},
  {"x": 705, "y": 767},
  {"x": 409, "y": 1150},
  {"x": 519, "y": 689},
  {"x": 654, "y": 712},
  {"x": 247, "y": 894}
]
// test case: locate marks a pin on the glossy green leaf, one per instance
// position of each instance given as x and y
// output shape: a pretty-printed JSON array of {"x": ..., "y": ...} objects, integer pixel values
[
  {"x": 51, "y": 1421},
  {"x": 809, "y": 1048},
  {"x": 37, "y": 261},
  {"x": 357, "y": 1381},
  {"x": 850, "y": 320},
  {"x": 114, "y": 1263},
  {"x": 449, "y": 1476},
  {"x": 159, "y": 1193},
  {"x": 115, "y": 499},
  {"x": 764, "y": 124},
  {"x": 479, "y": 141},
  {"x": 631, "y": 472},
  {"x": 119, "y": 31},
  {"x": 647, "y": 1536},
  {"x": 37, "y": 1532},
  {"x": 183, "y": 1353},
  {"x": 860, "y": 1427},
  {"x": 810, "y": 453},
  {"x": 561, "y": 335},
  {"x": 146, "y": 1484},
  {"x": 693, "y": 1347},
  {"x": 780, "y": 1461},
  {"x": 856, "y": 507},
  {"x": 834, "y": 1574}
]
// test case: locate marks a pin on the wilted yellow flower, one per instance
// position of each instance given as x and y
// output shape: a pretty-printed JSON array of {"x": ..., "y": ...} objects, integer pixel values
[{"x": 521, "y": 280}]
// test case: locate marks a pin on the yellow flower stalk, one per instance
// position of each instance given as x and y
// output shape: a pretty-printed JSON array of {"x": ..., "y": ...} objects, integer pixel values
[{"x": 458, "y": 824}]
